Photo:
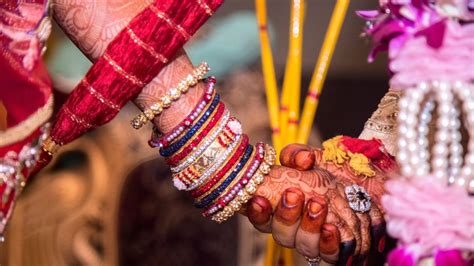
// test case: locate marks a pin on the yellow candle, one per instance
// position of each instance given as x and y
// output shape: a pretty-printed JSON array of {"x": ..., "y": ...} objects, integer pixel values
[
  {"x": 292, "y": 79},
  {"x": 269, "y": 74},
  {"x": 319, "y": 74}
]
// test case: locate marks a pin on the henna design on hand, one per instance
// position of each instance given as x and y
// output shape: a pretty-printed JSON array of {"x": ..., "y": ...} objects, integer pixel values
[{"x": 92, "y": 24}]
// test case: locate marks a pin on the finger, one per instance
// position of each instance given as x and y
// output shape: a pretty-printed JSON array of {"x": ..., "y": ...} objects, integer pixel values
[
  {"x": 259, "y": 212},
  {"x": 287, "y": 216},
  {"x": 342, "y": 209},
  {"x": 365, "y": 237},
  {"x": 297, "y": 156},
  {"x": 377, "y": 229},
  {"x": 329, "y": 243},
  {"x": 348, "y": 244},
  {"x": 309, "y": 231}
]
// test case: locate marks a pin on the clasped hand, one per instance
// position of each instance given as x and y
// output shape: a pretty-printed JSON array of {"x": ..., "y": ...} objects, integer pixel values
[{"x": 303, "y": 204}]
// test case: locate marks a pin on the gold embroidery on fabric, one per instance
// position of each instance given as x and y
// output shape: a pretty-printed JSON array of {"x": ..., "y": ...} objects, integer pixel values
[
  {"x": 100, "y": 97},
  {"x": 168, "y": 20},
  {"x": 122, "y": 72},
  {"x": 146, "y": 47}
]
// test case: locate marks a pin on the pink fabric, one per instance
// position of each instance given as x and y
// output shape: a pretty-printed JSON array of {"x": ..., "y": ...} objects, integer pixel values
[
  {"x": 426, "y": 216},
  {"x": 419, "y": 62}
]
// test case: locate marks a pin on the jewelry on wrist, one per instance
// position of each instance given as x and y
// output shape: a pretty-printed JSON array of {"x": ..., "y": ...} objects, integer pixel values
[
  {"x": 192, "y": 144},
  {"x": 245, "y": 194},
  {"x": 165, "y": 140},
  {"x": 220, "y": 161},
  {"x": 206, "y": 200},
  {"x": 171, "y": 95},
  {"x": 176, "y": 146},
  {"x": 211, "y": 142},
  {"x": 230, "y": 195}
]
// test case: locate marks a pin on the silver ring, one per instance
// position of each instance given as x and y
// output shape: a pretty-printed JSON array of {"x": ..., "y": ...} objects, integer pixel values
[
  {"x": 313, "y": 261},
  {"x": 358, "y": 198}
]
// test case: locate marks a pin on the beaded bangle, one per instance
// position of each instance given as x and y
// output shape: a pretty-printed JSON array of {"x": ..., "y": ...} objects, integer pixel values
[
  {"x": 185, "y": 150},
  {"x": 221, "y": 129},
  {"x": 168, "y": 151},
  {"x": 165, "y": 140},
  {"x": 215, "y": 193},
  {"x": 171, "y": 95},
  {"x": 244, "y": 195},
  {"x": 230, "y": 195}
]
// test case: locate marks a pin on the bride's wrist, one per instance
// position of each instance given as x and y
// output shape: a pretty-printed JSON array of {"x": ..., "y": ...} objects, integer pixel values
[{"x": 169, "y": 77}]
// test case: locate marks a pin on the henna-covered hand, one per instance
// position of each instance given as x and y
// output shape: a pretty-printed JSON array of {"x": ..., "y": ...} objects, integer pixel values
[{"x": 295, "y": 225}]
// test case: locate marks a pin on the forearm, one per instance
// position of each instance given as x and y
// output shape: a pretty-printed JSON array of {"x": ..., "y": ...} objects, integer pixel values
[
  {"x": 95, "y": 28},
  {"x": 169, "y": 77}
]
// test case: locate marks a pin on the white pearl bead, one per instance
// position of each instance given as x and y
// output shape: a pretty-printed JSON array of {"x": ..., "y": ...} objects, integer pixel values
[{"x": 461, "y": 182}]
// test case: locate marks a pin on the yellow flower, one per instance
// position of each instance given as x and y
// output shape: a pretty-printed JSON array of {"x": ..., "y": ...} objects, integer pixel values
[
  {"x": 332, "y": 151},
  {"x": 360, "y": 164}
]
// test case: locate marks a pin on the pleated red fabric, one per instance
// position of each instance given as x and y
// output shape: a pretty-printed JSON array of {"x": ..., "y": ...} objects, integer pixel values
[{"x": 126, "y": 66}]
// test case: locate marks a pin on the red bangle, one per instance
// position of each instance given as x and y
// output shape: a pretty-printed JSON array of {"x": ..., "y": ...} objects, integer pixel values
[
  {"x": 251, "y": 169},
  {"x": 224, "y": 170},
  {"x": 196, "y": 140}
]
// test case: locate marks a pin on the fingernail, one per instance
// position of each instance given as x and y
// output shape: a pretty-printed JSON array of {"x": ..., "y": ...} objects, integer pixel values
[
  {"x": 290, "y": 199},
  {"x": 314, "y": 209},
  {"x": 346, "y": 251},
  {"x": 326, "y": 235},
  {"x": 256, "y": 207},
  {"x": 381, "y": 244},
  {"x": 349, "y": 261}
]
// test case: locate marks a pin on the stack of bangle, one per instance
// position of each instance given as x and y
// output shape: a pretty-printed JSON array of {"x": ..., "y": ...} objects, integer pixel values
[
  {"x": 165, "y": 140},
  {"x": 211, "y": 158},
  {"x": 171, "y": 95}
]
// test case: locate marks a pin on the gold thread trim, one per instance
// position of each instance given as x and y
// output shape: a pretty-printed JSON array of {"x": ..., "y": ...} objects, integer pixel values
[
  {"x": 146, "y": 46},
  {"x": 122, "y": 72},
  {"x": 76, "y": 119},
  {"x": 206, "y": 8},
  {"x": 100, "y": 97},
  {"x": 26, "y": 127},
  {"x": 50, "y": 146},
  {"x": 160, "y": 14}
]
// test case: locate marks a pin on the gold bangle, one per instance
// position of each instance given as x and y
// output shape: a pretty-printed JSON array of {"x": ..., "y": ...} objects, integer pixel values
[
  {"x": 246, "y": 193},
  {"x": 171, "y": 95},
  {"x": 232, "y": 184}
]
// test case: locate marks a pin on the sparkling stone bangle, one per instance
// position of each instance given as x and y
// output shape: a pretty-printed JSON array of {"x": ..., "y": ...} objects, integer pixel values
[
  {"x": 206, "y": 144},
  {"x": 171, "y": 95},
  {"x": 217, "y": 164},
  {"x": 244, "y": 195},
  {"x": 207, "y": 200}
]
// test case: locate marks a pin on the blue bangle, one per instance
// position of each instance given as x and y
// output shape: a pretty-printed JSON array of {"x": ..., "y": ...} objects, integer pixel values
[
  {"x": 180, "y": 143},
  {"x": 214, "y": 194}
]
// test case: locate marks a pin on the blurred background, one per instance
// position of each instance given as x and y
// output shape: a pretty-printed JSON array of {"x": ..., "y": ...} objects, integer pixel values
[{"x": 107, "y": 199}]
